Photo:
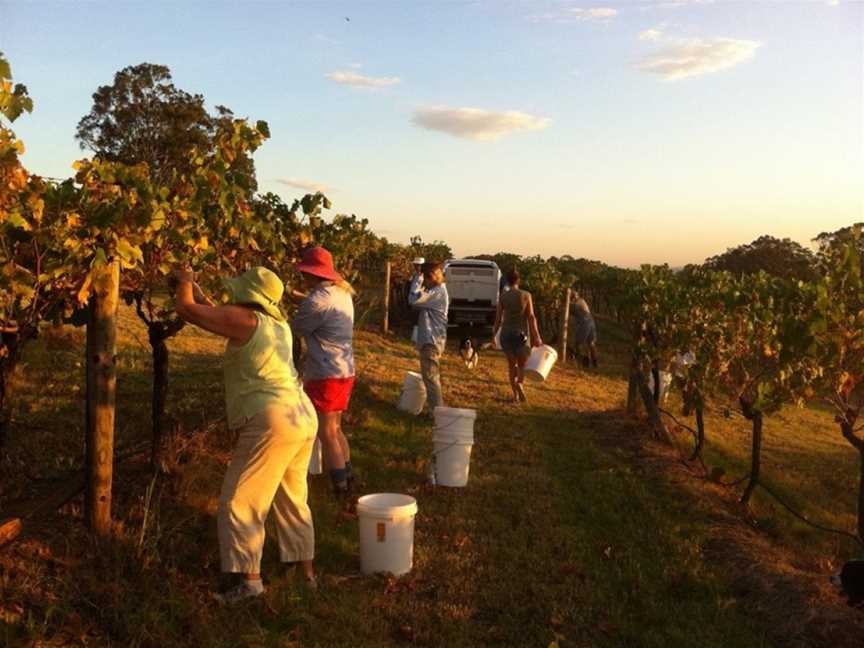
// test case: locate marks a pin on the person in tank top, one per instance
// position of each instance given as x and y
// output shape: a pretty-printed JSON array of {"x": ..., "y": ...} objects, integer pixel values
[
  {"x": 276, "y": 426},
  {"x": 517, "y": 325}
]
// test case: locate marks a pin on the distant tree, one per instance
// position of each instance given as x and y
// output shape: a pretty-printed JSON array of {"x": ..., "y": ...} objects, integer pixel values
[
  {"x": 778, "y": 257},
  {"x": 830, "y": 244},
  {"x": 506, "y": 261},
  {"x": 143, "y": 117},
  {"x": 143, "y": 121}
]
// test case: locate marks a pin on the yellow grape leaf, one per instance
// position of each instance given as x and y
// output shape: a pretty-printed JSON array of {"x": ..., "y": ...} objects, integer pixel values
[
  {"x": 37, "y": 206},
  {"x": 158, "y": 220},
  {"x": 73, "y": 220},
  {"x": 84, "y": 291},
  {"x": 202, "y": 244},
  {"x": 18, "y": 221},
  {"x": 847, "y": 384},
  {"x": 129, "y": 252}
]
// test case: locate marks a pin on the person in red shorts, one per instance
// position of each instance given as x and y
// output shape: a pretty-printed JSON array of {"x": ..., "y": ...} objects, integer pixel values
[{"x": 325, "y": 320}]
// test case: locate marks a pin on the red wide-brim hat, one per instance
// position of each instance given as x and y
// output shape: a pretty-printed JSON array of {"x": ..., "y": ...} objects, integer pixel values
[{"x": 318, "y": 262}]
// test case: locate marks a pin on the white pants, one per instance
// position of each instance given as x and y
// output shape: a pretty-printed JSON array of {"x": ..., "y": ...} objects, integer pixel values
[{"x": 268, "y": 468}]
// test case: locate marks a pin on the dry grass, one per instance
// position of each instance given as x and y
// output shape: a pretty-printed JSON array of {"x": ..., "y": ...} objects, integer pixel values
[{"x": 573, "y": 526}]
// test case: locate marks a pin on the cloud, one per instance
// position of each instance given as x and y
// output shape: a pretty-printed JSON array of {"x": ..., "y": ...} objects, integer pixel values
[
  {"x": 695, "y": 57},
  {"x": 355, "y": 66},
  {"x": 595, "y": 13},
  {"x": 360, "y": 81},
  {"x": 650, "y": 34},
  {"x": 832, "y": 3},
  {"x": 305, "y": 185},
  {"x": 326, "y": 39},
  {"x": 577, "y": 14},
  {"x": 677, "y": 4},
  {"x": 476, "y": 124}
]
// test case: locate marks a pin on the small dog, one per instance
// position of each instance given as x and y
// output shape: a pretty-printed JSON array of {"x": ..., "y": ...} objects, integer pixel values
[
  {"x": 468, "y": 353},
  {"x": 850, "y": 581}
]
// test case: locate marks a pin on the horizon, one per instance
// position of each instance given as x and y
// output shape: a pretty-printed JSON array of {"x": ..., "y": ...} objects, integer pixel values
[{"x": 626, "y": 132}]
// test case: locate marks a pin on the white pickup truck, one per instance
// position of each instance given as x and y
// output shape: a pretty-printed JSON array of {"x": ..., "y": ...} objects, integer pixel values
[{"x": 473, "y": 286}]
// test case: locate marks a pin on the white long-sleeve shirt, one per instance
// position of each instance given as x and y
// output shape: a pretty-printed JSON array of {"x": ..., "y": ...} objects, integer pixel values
[{"x": 433, "y": 304}]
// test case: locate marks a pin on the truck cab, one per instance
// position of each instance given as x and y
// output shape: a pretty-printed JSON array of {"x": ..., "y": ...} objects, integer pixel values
[{"x": 473, "y": 286}]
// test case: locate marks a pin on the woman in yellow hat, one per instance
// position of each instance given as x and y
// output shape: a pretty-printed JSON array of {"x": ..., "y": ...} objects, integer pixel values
[{"x": 276, "y": 421}]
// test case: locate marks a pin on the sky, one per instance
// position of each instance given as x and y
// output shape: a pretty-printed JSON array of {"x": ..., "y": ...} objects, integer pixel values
[{"x": 651, "y": 131}]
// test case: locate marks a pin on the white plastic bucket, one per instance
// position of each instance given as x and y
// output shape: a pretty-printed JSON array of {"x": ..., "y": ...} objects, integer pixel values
[
  {"x": 316, "y": 464},
  {"x": 540, "y": 362},
  {"x": 413, "y": 395},
  {"x": 414, "y": 334},
  {"x": 452, "y": 440},
  {"x": 386, "y": 533}
]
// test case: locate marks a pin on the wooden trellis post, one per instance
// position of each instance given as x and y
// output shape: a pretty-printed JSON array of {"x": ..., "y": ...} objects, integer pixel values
[
  {"x": 385, "y": 326},
  {"x": 565, "y": 323},
  {"x": 101, "y": 384}
]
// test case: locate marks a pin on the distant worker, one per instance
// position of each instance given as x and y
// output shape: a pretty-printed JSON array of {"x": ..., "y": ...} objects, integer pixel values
[
  {"x": 413, "y": 284},
  {"x": 432, "y": 302},
  {"x": 275, "y": 423},
  {"x": 582, "y": 331},
  {"x": 516, "y": 321},
  {"x": 325, "y": 320}
]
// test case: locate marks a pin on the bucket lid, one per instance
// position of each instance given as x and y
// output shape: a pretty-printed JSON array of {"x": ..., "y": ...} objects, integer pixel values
[
  {"x": 387, "y": 505},
  {"x": 455, "y": 411}
]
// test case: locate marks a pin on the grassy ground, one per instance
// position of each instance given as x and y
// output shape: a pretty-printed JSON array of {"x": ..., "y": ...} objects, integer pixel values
[{"x": 574, "y": 527}]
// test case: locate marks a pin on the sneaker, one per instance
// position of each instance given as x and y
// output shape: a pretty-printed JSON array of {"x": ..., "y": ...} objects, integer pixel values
[{"x": 242, "y": 590}]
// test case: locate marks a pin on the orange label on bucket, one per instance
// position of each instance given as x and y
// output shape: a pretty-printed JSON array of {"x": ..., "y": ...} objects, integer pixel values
[{"x": 381, "y": 532}]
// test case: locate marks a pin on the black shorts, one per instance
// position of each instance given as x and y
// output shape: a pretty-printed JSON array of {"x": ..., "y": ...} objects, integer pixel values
[{"x": 515, "y": 342}]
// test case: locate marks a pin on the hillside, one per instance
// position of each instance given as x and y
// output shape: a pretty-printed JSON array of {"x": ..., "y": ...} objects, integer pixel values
[{"x": 575, "y": 526}]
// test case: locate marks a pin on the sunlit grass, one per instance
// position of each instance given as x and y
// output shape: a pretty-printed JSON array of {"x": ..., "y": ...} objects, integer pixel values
[{"x": 561, "y": 532}]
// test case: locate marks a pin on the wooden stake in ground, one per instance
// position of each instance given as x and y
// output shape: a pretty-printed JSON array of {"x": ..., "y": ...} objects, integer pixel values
[
  {"x": 565, "y": 323},
  {"x": 385, "y": 326},
  {"x": 101, "y": 384}
]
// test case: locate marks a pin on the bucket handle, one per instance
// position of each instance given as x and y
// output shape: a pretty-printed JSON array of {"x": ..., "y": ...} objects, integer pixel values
[
  {"x": 435, "y": 456},
  {"x": 448, "y": 426},
  {"x": 445, "y": 449}
]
